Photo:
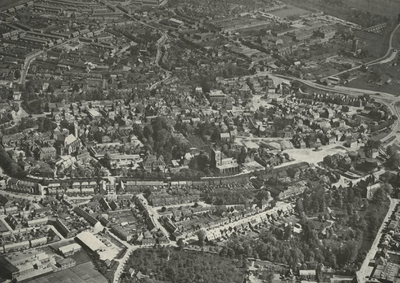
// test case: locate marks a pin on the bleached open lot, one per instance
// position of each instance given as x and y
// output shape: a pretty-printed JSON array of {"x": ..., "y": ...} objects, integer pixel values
[{"x": 312, "y": 156}]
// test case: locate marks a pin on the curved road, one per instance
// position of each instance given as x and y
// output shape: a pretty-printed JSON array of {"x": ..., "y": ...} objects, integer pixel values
[
  {"x": 389, "y": 51},
  {"x": 385, "y": 98}
]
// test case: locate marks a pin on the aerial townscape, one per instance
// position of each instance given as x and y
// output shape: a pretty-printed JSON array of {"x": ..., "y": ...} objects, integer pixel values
[{"x": 218, "y": 141}]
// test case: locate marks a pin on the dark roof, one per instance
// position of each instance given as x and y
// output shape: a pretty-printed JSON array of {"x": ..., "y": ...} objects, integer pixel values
[{"x": 8, "y": 265}]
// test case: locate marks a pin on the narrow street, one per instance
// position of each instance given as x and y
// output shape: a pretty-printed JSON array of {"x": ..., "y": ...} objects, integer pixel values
[
  {"x": 122, "y": 261},
  {"x": 153, "y": 213},
  {"x": 214, "y": 229}
]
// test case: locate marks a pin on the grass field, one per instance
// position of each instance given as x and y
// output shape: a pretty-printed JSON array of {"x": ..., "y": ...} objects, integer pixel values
[
  {"x": 375, "y": 44},
  {"x": 5, "y": 4},
  {"x": 3, "y": 227},
  {"x": 83, "y": 273},
  {"x": 396, "y": 39},
  {"x": 290, "y": 11},
  {"x": 393, "y": 87},
  {"x": 389, "y": 8},
  {"x": 339, "y": 8}
]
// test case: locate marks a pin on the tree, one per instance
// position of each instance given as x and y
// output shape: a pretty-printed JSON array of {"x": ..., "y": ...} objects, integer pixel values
[
  {"x": 205, "y": 85},
  {"x": 300, "y": 207},
  {"x": 180, "y": 243},
  {"x": 345, "y": 76},
  {"x": 376, "y": 74},
  {"x": 363, "y": 68},
  {"x": 389, "y": 150},
  {"x": 223, "y": 252},
  {"x": 379, "y": 196},
  {"x": 17, "y": 74},
  {"x": 303, "y": 88},
  {"x": 201, "y": 235},
  {"x": 107, "y": 160},
  {"x": 296, "y": 85},
  {"x": 394, "y": 160},
  {"x": 287, "y": 233},
  {"x": 216, "y": 135},
  {"x": 371, "y": 143},
  {"x": 148, "y": 131},
  {"x": 388, "y": 188}
]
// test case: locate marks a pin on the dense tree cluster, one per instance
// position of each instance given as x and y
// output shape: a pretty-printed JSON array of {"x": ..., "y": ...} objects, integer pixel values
[
  {"x": 226, "y": 196},
  {"x": 335, "y": 237},
  {"x": 25, "y": 123},
  {"x": 183, "y": 266},
  {"x": 9, "y": 165},
  {"x": 157, "y": 137},
  {"x": 394, "y": 157}
]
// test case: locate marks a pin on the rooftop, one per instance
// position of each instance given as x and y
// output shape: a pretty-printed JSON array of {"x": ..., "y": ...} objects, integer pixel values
[{"x": 90, "y": 241}]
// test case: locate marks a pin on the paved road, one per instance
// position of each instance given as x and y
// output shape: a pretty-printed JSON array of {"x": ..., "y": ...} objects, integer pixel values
[
  {"x": 29, "y": 60},
  {"x": 130, "y": 248},
  {"x": 389, "y": 50},
  {"x": 218, "y": 227},
  {"x": 385, "y": 98},
  {"x": 122, "y": 263},
  {"x": 365, "y": 270},
  {"x": 154, "y": 213},
  {"x": 160, "y": 44}
]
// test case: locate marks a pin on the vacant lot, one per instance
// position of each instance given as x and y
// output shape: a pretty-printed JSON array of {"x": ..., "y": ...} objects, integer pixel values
[{"x": 83, "y": 273}]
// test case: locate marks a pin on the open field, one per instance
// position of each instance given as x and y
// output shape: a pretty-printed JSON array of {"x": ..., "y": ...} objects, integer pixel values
[
  {"x": 396, "y": 39},
  {"x": 289, "y": 12},
  {"x": 341, "y": 8},
  {"x": 374, "y": 44},
  {"x": 84, "y": 273},
  {"x": 3, "y": 227},
  {"x": 5, "y": 4},
  {"x": 388, "y": 8},
  {"x": 313, "y": 156},
  {"x": 393, "y": 87}
]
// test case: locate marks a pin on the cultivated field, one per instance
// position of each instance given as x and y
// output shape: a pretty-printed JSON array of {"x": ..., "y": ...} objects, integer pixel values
[
  {"x": 387, "y": 8},
  {"x": 83, "y": 273}
]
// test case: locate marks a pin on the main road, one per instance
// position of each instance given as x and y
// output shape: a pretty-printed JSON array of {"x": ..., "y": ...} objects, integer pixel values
[{"x": 387, "y": 99}]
